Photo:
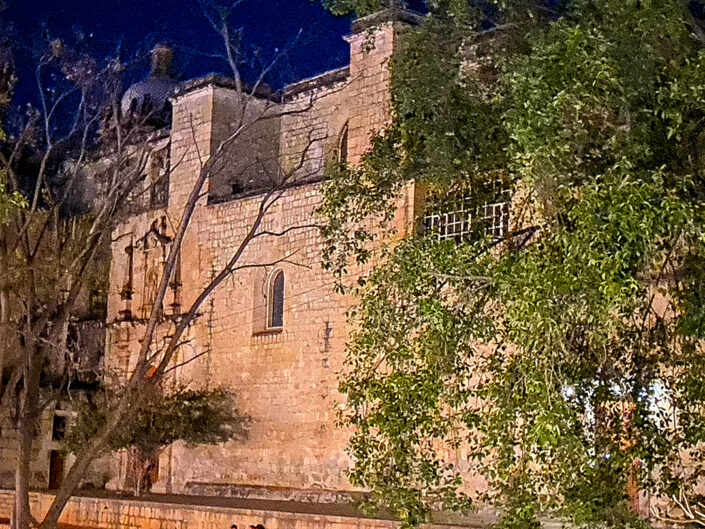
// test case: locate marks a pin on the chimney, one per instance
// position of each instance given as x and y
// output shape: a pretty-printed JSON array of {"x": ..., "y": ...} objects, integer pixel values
[{"x": 162, "y": 57}]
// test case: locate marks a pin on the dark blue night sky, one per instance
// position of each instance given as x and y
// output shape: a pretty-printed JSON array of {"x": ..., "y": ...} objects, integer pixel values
[{"x": 102, "y": 27}]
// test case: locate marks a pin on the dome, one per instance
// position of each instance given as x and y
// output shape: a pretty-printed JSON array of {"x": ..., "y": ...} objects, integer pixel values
[
  {"x": 147, "y": 96},
  {"x": 151, "y": 94}
]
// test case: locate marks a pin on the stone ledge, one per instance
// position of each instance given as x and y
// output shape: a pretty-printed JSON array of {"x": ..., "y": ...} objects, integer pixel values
[
  {"x": 272, "y": 493},
  {"x": 393, "y": 14},
  {"x": 104, "y": 510},
  {"x": 5, "y": 524},
  {"x": 323, "y": 80},
  {"x": 221, "y": 81}
]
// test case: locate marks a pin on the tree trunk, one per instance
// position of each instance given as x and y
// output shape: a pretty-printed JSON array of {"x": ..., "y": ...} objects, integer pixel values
[
  {"x": 4, "y": 309},
  {"x": 4, "y": 334},
  {"x": 83, "y": 460},
  {"x": 27, "y": 433},
  {"x": 22, "y": 512},
  {"x": 137, "y": 471}
]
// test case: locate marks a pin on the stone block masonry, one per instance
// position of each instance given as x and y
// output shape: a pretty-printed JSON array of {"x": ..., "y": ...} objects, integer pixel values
[
  {"x": 174, "y": 512},
  {"x": 284, "y": 379}
]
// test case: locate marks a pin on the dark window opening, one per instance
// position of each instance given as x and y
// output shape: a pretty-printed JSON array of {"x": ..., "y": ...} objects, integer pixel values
[
  {"x": 56, "y": 469},
  {"x": 147, "y": 107},
  {"x": 276, "y": 301},
  {"x": 237, "y": 188},
  {"x": 58, "y": 428}
]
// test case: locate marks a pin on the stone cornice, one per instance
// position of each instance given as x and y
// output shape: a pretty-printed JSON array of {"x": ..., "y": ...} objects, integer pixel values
[{"x": 393, "y": 14}]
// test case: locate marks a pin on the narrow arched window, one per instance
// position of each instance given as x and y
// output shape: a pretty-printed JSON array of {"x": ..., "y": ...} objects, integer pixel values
[
  {"x": 275, "y": 301},
  {"x": 343, "y": 144}
]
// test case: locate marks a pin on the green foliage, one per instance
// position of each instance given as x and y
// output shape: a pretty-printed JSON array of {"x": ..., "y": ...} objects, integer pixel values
[
  {"x": 161, "y": 418},
  {"x": 347, "y": 7},
  {"x": 9, "y": 201},
  {"x": 563, "y": 361},
  {"x": 462, "y": 12},
  {"x": 437, "y": 105}
]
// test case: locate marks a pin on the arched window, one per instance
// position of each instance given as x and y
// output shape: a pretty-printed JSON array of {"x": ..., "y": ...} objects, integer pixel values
[
  {"x": 275, "y": 300},
  {"x": 343, "y": 144}
]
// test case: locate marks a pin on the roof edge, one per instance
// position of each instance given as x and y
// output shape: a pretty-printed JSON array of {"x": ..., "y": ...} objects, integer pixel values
[
  {"x": 318, "y": 81},
  {"x": 220, "y": 81},
  {"x": 392, "y": 14}
]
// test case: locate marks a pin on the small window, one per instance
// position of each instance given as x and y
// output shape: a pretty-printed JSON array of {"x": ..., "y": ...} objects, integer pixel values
[
  {"x": 146, "y": 108},
  {"x": 275, "y": 301},
  {"x": 458, "y": 217},
  {"x": 58, "y": 428},
  {"x": 343, "y": 144},
  {"x": 237, "y": 188}
]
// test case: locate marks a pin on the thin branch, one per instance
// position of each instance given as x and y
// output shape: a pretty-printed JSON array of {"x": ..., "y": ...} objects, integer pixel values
[{"x": 288, "y": 230}]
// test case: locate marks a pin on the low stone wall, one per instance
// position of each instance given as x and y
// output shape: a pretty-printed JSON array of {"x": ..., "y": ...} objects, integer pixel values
[
  {"x": 117, "y": 513},
  {"x": 270, "y": 493},
  {"x": 5, "y": 504}
]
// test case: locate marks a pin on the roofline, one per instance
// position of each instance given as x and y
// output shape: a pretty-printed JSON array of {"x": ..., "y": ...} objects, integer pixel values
[
  {"x": 322, "y": 80},
  {"x": 220, "y": 81},
  {"x": 393, "y": 14},
  {"x": 264, "y": 92},
  {"x": 258, "y": 192}
]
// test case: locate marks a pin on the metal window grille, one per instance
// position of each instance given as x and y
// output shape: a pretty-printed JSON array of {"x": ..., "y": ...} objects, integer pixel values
[
  {"x": 455, "y": 220},
  {"x": 495, "y": 218},
  {"x": 452, "y": 222}
]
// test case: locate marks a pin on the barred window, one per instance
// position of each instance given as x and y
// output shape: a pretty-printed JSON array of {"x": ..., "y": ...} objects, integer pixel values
[
  {"x": 453, "y": 221},
  {"x": 458, "y": 218},
  {"x": 495, "y": 218}
]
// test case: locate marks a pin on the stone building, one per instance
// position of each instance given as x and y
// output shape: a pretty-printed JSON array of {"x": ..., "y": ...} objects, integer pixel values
[{"x": 274, "y": 333}]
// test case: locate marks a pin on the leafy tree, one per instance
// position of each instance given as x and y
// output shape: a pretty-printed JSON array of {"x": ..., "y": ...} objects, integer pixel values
[
  {"x": 563, "y": 361},
  {"x": 162, "y": 417},
  {"x": 8, "y": 201},
  {"x": 50, "y": 258}
]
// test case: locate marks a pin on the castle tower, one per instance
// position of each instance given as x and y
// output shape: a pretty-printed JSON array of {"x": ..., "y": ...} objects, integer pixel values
[{"x": 373, "y": 42}]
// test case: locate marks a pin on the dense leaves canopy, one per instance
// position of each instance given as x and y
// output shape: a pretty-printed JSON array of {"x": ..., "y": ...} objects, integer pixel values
[
  {"x": 8, "y": 201},
  {"x": 179, "y": 414},
  {"x": 563, "y": 364}
]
